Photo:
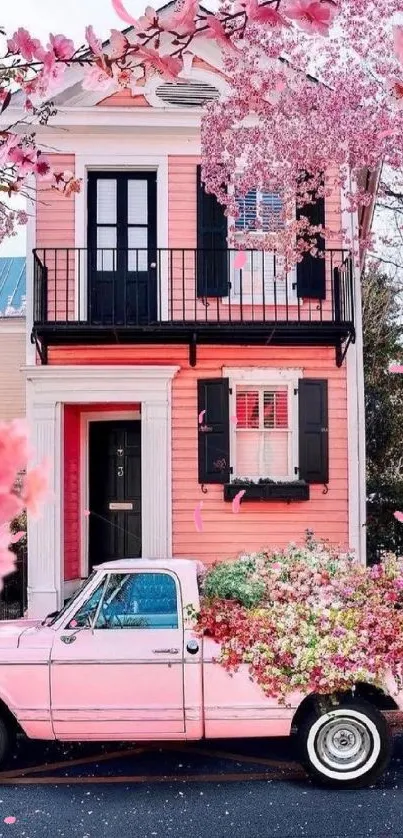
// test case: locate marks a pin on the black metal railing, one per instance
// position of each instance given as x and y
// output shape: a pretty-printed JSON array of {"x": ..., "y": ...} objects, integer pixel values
[{"x": 182, "y": 286}]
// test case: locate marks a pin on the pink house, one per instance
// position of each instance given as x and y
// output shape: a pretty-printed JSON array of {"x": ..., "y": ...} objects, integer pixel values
[{"x": 160, "y": 375}]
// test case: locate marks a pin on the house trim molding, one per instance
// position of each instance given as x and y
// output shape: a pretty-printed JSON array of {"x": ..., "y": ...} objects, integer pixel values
[
  {"x": 114, "y": 161},
  {"x": 48, "y": 389},
  {"x": 85, "y": 420},
  {"x": 266, "y": 376}
]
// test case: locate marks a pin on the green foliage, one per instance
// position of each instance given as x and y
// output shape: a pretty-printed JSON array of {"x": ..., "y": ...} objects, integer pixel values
[
  {"x": 236, "y": 581},
  {"x": 382, "y": 335}
]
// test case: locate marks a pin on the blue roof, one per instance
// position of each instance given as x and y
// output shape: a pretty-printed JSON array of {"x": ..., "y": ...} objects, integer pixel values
[{"x": 12, "y": 286}]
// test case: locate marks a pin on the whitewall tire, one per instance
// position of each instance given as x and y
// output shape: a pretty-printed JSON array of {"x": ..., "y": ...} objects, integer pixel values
[{"x": 348, "y": 746}]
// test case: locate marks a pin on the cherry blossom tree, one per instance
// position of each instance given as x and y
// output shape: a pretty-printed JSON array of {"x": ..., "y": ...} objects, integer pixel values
[
  {"x": 314, "y": 86},
  {"x": 16, "y": 495}
]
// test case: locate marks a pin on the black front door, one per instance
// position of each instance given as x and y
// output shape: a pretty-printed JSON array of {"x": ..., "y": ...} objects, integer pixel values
[
  {"x": 122, "y": 240},
  {"x": 114, "y": 491}
]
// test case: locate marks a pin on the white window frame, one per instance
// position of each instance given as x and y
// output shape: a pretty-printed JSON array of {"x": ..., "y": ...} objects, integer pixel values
[
  {"x": 259, "y": 299},
  {"x": 266, "y": 377}
]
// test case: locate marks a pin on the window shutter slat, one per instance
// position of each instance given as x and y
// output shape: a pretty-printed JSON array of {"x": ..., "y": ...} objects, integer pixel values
[
  {"x": 213, "y": 431},
  {"x": 212, "y": 250},
  {"x": 311, "y": 272},
  {"x": 313, "y": 430}
]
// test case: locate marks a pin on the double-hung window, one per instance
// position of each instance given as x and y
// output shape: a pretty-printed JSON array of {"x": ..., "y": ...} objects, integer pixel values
[
  {"x": 262, "y": 279},
  {"x": 264, "y": 437}
]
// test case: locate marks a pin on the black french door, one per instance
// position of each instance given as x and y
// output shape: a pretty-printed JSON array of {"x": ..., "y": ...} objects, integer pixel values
[{"x": 122, "y": 241}]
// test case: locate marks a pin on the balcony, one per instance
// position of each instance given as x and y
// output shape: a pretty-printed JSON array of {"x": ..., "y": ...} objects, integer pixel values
[{"x": 189, "y": 296}]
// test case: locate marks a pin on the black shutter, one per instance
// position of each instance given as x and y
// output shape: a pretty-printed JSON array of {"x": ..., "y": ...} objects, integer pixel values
[
  {"x": 311, "y": 272},
  {"x": 212, "y": 252},
  {"x": 213, "y": 430},
  {"x": 313, "y": 430}
]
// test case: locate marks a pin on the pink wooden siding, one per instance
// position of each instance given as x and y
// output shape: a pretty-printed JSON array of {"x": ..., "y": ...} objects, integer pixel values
[
  {"x": 55, "y": 228},
  {"x": 124, "y": 99},
  {"x": 258, "y": 524}
]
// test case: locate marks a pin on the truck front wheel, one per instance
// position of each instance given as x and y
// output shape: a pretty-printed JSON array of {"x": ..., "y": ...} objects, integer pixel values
[{"x": 348, "y": 746}]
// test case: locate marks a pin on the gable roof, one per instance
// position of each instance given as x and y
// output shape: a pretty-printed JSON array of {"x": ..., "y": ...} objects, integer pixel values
[{"x": 12, "y": 286}]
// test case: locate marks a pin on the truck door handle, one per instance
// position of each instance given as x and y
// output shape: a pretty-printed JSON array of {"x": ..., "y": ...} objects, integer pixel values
[
  {"x": 166, "y": 651},
  {"x": 68, "y": 638}
]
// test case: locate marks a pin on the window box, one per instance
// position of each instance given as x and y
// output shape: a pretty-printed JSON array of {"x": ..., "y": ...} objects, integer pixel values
[{"x": 296, "y": 490}]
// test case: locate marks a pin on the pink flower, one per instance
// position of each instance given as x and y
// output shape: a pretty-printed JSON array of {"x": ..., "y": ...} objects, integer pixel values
[
  {"x": 396, "y": 368},
  {"x": 118, "y": 44},
  {"x": 216, "y": 29},
  {"x": 182, "y": 19},
  {"x": 398, "y": 42},
  {"x": 95, "y": 79},
  {"x": 23, "y": 158},
  {"x": 312, "y": 16},
  {"x": 124, "y": 15},
  {"x": 42, "y": 167},
  {"x": 10, "y": 506},
  {"x": 10, "y": 819},
  {"x": 14, "y": 451},
  {"x": 166, "y": 65},
  {"x": 62, "y": 47},
  {"x": 396, "y": 91},
  {"x": 16, "y": 537},
  {"x": 259, "y": 13},
  {"x": 35, "y": 488},
  {"x": 94, "y": 43},
  {"x": 23, "y": 43}
]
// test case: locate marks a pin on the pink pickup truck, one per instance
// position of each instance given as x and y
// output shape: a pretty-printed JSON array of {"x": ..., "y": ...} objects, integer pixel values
[{"x": 121, "y": 661}]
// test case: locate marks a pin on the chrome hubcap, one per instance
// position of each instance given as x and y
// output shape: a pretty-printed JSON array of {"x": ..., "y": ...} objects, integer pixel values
[{"x": 343, "y": 744}]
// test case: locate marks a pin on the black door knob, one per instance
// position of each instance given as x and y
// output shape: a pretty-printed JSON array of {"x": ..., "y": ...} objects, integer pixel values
[{"x": 192, "y": 647}]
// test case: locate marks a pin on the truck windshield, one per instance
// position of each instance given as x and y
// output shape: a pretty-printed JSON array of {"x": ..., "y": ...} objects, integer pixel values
[{"x": 71, "y": 600}]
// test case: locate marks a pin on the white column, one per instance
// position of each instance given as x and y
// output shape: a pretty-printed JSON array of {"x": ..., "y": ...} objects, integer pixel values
[
  {"x": 156, "y": 479},
  {"x": 44, "y": 534}
]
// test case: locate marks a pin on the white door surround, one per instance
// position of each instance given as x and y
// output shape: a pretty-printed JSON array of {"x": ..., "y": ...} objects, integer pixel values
[{"x": 48, "y": 389}]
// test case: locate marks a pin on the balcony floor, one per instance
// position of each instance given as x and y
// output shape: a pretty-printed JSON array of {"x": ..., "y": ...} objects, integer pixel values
[{"x": 253, "y": 333}]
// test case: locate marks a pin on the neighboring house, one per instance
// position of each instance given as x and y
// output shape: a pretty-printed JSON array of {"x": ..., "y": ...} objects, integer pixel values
[
  {"x": 149, "y": 341},
  {"x": 12, "y": 337}
]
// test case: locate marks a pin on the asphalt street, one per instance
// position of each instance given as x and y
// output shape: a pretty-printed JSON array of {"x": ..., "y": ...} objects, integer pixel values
[{"x": 236, "y": 789}]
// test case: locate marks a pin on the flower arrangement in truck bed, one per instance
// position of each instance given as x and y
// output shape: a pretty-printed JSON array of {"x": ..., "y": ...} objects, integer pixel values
[{"x": 309, "y": 619}]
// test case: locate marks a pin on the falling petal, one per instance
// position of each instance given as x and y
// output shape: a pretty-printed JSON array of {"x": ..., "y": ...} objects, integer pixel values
[
  {"x": 201, "y": 416},
  {"x": 398, "y": 516},
  {"x": 73, "y": 624},
  {"x": 396, "y": 368},
  {"x": 10, "y": 819},
  {"x": 236, "y": 503},
  {"x": 234, "y": 420},
  {"x": 16, "y": 537},
  {"x": 197, "y": 517},
  {"x": 123, "y": 14},
  {"x": 240, "y": 260},
  {"x": 87, "y": 513}
]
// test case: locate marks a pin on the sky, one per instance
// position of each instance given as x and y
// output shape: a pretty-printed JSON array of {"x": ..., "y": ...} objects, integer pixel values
[{"x": 70, "y": 18}]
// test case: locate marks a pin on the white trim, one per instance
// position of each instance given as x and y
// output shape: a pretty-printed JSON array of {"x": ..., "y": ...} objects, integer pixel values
[
  {"x": 30, "y": 245},
  {"x": 260, "y": 375},
  {"x": 266, "y": 377},
  {"x": 87, "y": 162},
  {"x": 48, "y": 388},
  {"x": 355, "y": 401},
  {"x": 85, "y": 419}
]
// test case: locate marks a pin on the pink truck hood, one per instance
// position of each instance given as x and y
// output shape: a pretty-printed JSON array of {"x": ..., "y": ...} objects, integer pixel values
[{"x": 12, "y": 630}]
